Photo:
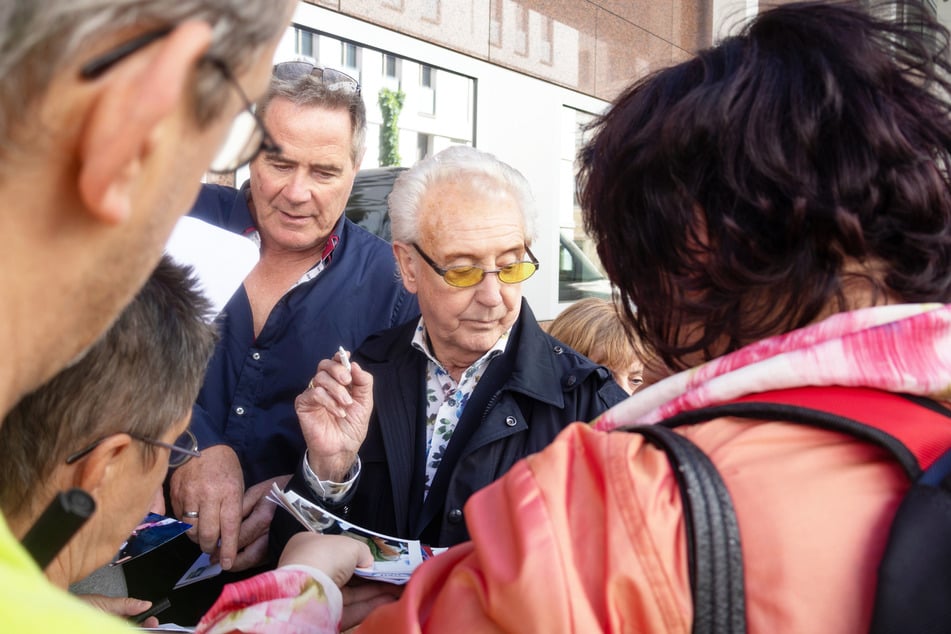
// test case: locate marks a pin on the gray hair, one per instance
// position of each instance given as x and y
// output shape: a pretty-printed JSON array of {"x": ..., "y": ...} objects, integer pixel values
[
  {"x": 38, "y": 37},
  {"x": 459, "y": 161},
  {"x": 310, "y": 92},
  {"x": 141, "y": 377}
]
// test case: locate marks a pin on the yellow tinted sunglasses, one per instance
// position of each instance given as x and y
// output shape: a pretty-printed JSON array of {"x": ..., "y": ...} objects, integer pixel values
[{"x": 466, "y": 276}]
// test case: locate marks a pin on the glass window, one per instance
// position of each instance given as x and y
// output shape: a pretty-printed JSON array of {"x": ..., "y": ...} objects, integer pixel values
[
  {"x": 389, "y": 66},
  {"x": 350, "y": 56},
  {"x": 424, "y": 145}
]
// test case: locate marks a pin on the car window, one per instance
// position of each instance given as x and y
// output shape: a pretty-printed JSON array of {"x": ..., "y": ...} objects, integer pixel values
[
  {"x": 577, "y": 275},
  {"x": 367, "y": 204}
]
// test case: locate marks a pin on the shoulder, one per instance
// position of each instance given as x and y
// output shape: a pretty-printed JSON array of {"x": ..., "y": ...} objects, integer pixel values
[
  {"x": 222, "y": 206},
  {"x": 565, "y": 359},
  {"x": 361, "y": 240},
  {"x": 387, "y": 345}
]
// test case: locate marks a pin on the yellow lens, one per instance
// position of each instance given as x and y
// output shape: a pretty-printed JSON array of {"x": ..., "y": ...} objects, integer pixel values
[
  {"x": 517, "y": 272},
  {"x": 463, "y": 276}
]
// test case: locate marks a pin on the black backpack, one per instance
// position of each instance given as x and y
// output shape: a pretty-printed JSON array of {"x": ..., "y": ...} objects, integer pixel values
[{"x": 913, "y": 592}]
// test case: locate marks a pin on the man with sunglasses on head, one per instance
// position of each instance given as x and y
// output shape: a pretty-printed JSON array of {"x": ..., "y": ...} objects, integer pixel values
[
  {"x": 433, "y": 410},
  {"x": 110, "y": 112},
  {"x": 321, "y": 282}
]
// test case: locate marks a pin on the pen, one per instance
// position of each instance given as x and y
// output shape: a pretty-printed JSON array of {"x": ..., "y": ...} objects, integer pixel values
[
  {"x": 344, "y": 358},
  {"x": 152, "y": 611}
]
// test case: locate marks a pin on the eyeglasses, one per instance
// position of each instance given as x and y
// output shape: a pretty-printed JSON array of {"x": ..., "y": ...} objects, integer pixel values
[
  {"x": 247, "y": 137},
  {"x": 466, "y": 276},
  {"x": 181, "y": 451},
  {"x": 330, "y": 78}
]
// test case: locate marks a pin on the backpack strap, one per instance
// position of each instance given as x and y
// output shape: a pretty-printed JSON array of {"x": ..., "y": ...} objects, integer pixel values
[
  {"x": 714, "y": 555},
  {"x": 873, "y": 415},
  {"x": 715, "y": 559}
]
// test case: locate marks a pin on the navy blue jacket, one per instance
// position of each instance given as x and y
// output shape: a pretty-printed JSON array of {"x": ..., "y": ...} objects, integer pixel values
[
  {"x": 525, "y": 398},
  {"x": 247, "y": 400}
]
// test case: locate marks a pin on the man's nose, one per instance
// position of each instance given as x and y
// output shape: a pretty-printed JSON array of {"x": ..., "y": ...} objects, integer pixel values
[
  {"x": 297, "y": 188},
  {"x": 489, "y": 289}
]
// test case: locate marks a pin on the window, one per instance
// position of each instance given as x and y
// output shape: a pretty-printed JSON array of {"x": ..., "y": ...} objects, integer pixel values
[
  {"x": 304, "y": 42},
  {"x": 424, "y": 145},
  {"x": 350, "y": 55},
  {"x": 577, "y": 275},
  {"x": 390, "y": 66},
  {"x": 427, "y": 90}
]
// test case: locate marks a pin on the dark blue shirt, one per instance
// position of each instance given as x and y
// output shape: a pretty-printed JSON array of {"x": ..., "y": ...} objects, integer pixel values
[{"x": 247, "y": 400}]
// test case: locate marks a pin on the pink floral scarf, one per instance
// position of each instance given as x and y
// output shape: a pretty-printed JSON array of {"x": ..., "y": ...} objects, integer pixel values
[{"x": 902, "y": 348}]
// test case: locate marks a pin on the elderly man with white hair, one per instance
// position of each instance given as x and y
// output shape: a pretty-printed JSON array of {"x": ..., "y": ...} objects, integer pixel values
[{"x": 429, "y": 412}]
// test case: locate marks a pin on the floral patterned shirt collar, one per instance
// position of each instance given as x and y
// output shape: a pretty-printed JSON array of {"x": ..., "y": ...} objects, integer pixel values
[{"x": 446, "y": 399}]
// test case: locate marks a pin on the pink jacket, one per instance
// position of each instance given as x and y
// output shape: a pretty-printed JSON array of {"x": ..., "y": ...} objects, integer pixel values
[{"x": 588, "y": 535}]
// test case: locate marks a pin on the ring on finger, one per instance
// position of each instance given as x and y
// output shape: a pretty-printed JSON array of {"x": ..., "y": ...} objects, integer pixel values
[{"x": 192, "y": 515}]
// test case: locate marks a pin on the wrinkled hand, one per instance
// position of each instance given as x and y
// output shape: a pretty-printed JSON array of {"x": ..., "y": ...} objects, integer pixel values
[
  {"x": 335, "y": 555},
  {"x": 257, "y": 512},
  {"x": 212, "y": 485},
  {"x": 361, "y": 596},
  {"x": 121, "y": 606},
  {"x": 334, "y": 413}
]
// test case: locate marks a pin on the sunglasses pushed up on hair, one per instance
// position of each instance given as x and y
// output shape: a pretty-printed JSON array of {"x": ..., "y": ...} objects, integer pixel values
[{"x": 332, "y": 79}]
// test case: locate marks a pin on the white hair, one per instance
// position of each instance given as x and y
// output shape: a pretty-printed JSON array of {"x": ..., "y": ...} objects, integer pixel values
[{"x": 451, "y": 163}]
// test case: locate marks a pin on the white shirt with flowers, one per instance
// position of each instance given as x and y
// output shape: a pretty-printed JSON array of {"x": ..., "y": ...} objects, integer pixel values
[
  {"x": 445, "y": 402},
  {"x": 446, "y": 399}
]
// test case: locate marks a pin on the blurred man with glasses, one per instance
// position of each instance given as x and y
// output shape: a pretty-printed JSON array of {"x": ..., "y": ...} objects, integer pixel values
[
  {"x": 105, "y": 136},
  {"x": 435, "y": 409},
  {"x": 111, "y": 424},
  {"x": 321, "y": 282}
]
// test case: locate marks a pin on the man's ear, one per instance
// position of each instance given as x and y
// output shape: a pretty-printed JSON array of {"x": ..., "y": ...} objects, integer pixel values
[
  {"x": 102, "y": 463},
  {"x": 406, "y": 259},
  {"x": 123, "y": 124}
]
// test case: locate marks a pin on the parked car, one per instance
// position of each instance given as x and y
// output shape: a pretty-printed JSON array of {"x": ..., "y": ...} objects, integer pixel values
[
  {"x": 577, "y": 275},
  {"x": 367, "y": 204}
]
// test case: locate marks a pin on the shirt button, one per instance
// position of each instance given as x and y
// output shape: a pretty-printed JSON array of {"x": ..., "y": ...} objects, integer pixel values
[
  {"x": 256, "y": 356},
  {"x": 239, "y": 411},
  {"x": 455, "y": 516},
  {"x": 558, "y": 349},
  {"x": 572, "y": 380},
  {"x": 510, "y": 421}
]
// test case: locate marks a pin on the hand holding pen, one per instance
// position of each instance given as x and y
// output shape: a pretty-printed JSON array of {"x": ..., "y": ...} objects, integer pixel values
[{"x": 334, "y": 412}]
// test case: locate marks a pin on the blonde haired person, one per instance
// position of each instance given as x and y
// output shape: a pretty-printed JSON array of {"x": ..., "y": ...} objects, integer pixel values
[{"x": 595, "y": 328}]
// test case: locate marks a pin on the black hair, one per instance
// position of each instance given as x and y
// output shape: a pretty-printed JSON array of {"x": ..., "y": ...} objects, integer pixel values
[{"x": 734, "y": 196}]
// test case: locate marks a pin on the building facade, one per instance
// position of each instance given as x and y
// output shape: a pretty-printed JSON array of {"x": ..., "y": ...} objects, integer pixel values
[{"x": 517, "y": 78}]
